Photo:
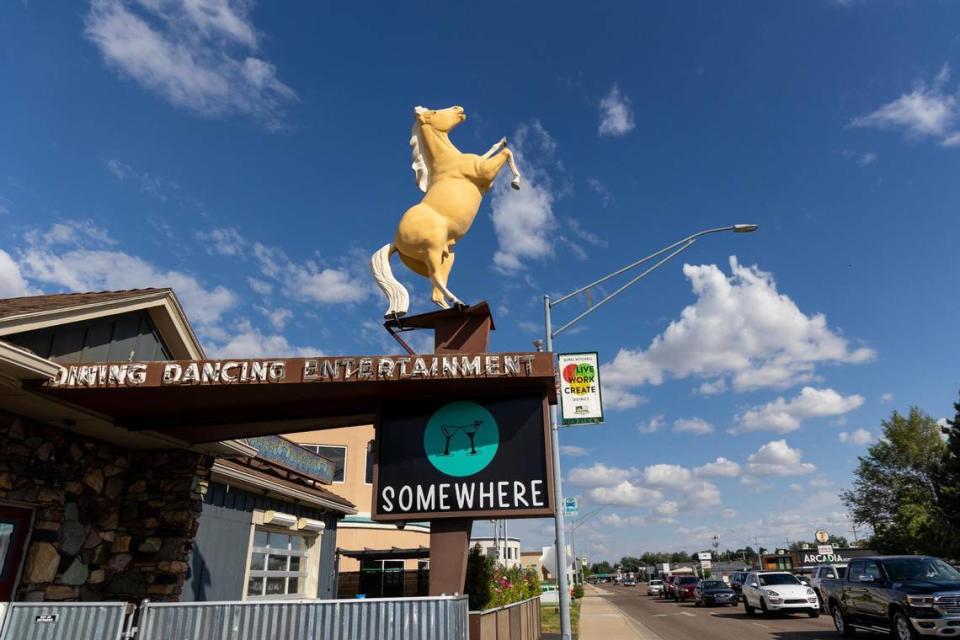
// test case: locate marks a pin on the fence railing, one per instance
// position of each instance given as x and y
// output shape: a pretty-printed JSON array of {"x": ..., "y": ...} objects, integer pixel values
[
  {"x": 441, "y": 618},
  {"x": 66, "y": 621},
  {"x": 517, "y": 621}
]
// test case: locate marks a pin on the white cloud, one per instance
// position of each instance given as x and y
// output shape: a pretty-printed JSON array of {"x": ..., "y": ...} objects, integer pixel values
[
  {"x": 859, "y": 437},
  {"x": 697, "y": 426},
  {"x": 777, "y": 458},
  {"x": 926, "y": 112},
  {"x": 667, "y": 508},
  {"x": 667, "y": 475},
  {"x": 649, "y": 426},
  {"x": 197, "y": 55},
  {"x": 523, "y": 219},
  {"x": 886, "y": 397},
  {"x": 719, "y": 468},
  {"x": 12, "y": 283},
  {"x": 868, "y": 158},
  {"x": 616, "y": 520},
  {"x": 700, "y": 494},
  {"x": 741, "y": 327},
  {"x": 278, "y": 316},
  {"x": 225, "y": 241},
  {"x": 783, "y": 416},
  {"x": 573, "y": 451},
  {"x": 70, "y": 233},
  {"x": 308, "y": 281},
  {"x": 616, "y": 114},
  {"x": 606, "y": 198},
  {"x": 246, "y": 341},
  {"x": 92, "y": 270},
  {"x": 599, "y": 475},
  {"x": 711, "y": 387},
  {"x": 260, "y": 286},
  {"x": 728, "y": 514},
  {"x": 625, "y": 494}
]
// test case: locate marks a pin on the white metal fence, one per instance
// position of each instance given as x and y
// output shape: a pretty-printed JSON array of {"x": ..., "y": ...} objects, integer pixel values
[{"x": 442, "y": 618}]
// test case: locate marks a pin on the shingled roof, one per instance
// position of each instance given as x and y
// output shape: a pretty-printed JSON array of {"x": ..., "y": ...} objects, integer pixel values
[{"x": 38, "y": 304}]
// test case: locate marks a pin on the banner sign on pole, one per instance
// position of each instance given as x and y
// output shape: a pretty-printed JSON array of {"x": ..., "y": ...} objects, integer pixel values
[
  {"x": 580, "y": 399},
  {"x": 570, "y": 506},
  {"x": 703, "y": 555}
]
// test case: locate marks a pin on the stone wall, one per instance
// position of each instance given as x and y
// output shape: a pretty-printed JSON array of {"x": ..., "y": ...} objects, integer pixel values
[{"x": 109, "y": 523}]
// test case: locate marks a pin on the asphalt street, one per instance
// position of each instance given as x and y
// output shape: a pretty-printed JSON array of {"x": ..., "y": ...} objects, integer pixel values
[{"x": 684, "y": 621}]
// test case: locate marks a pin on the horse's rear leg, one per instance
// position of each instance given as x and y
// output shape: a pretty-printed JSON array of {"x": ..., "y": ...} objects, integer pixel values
[
  {"x": 446, "y": 266},
  {"x": 438, "y": 275}
]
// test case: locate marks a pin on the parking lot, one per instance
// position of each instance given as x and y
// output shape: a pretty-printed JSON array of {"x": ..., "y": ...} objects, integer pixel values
[{"x": 671, "y": 620}]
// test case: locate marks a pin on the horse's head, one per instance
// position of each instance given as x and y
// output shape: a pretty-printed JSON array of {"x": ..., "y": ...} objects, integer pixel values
[{"x": 440, "y": 119}]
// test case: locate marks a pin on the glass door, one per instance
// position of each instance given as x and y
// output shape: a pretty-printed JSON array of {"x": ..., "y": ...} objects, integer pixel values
[{"x": 14, "y": 527}]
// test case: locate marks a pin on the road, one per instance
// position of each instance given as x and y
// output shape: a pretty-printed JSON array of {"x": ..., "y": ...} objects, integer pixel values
[{"x": 683, "y": 621}]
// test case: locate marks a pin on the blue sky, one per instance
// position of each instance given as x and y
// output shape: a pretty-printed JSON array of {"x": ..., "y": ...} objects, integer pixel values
[{"x": 253, "y": 156}]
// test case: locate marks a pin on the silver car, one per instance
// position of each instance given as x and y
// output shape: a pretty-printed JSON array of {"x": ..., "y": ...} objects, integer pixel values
[{"x": 655, "y": 587}]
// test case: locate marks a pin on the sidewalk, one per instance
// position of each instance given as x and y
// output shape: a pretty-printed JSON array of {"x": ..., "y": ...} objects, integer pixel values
[{"x": 600, "y": 620}]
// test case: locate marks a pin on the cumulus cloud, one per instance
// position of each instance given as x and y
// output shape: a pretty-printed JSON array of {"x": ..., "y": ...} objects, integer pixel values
[
  {"x": 12, "y": 282},
  {"x": 599, "y": 475},
  {"x": 616, "y": 114},
  {"x": 859, "y": 437},
  {"x": 667, "y": 475},
  {"x": 69, "y": 233},
  {"x": 777, "y": 458},
  {"x": 616, "y": 520},
  {"x": 201, "y": 56},
  {"x": 696, "y": 426},
  {"x": 308, "y": 281},
  {"x": 887, "y": 397},
  {"x": 926, "y": 112},
  {"x": 246, "y": 341},
  {"x": 625, "y": 494},
  {"x": 647, "y": 426},
  {"x": 784, "y": 416},
  {"x": 742, "y": 328},
  {"x": 719, "y": 468},
  {"x": 523, "y": 219}
]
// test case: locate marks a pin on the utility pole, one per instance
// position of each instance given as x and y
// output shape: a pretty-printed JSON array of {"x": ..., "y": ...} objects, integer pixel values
[{"x": 853, "y": 530}]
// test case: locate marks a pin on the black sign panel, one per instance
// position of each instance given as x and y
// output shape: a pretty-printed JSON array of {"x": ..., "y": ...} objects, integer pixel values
[{"x": 470, "y": 457}]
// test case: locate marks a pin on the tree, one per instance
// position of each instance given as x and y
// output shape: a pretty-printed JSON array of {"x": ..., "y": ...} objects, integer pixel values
[
  {"x": 895, "y": 490},
  {"x": 949, "y": 479},
  {"x": 479, "y": 572},
  {"x": 630, "y": 564},
  {"x": 601, "y": 567}
]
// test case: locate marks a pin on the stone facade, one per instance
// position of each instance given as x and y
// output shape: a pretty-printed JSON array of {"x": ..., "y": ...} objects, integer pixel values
[{"x": 109, "y": 523}]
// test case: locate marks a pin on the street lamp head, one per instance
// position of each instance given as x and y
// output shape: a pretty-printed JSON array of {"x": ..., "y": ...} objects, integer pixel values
[{"x": 745, "y": 228}]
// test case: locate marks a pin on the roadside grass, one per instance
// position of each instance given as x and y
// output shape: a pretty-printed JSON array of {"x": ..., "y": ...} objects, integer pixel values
[{"x": 550, "y": 618}]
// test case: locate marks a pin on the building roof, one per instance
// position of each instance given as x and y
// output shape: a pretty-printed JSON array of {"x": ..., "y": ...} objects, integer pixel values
[
  {"x": 394, "y": 553},
  {"x": 35, "y": 304},
  {"x": 262, "y": 479}
]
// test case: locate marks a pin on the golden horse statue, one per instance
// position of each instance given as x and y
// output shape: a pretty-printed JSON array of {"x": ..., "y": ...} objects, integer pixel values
[{"x": 454, "y": 184}]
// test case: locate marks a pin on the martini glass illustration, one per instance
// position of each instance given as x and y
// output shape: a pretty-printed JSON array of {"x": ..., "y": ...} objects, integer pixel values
[
  {"x": 471, "y": 431},
  {"x": 448, "y": 432}
]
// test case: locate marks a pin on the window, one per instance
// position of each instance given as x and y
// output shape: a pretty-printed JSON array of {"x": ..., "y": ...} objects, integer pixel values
[
  {"x": 335, "y": 454},
  {"x": 856, "y": 570},
  {"x": 278, "y": 564},
  {"x": 369, "y": 474},
  {"x": 767, "y": 580}
]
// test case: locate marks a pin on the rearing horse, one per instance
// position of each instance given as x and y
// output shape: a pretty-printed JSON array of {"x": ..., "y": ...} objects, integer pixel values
[{"x": 454, "y": 184}]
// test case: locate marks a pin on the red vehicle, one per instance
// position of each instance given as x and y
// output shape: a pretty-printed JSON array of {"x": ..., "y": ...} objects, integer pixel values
[{"x": 684, "y": 587}]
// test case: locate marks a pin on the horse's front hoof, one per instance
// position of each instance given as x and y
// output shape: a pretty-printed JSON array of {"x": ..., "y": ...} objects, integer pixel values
[
  {"x": 460, "y": 306},
  {"x": 515, "y": 184},
  {"x": 394, "y": 315}
]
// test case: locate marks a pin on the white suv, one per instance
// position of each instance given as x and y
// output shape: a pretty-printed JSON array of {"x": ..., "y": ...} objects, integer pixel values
[{"x": 771, "y": 591}]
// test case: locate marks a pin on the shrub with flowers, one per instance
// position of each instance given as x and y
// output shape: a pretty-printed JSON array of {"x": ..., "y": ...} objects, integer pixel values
[{"x": 512, "y": 585}]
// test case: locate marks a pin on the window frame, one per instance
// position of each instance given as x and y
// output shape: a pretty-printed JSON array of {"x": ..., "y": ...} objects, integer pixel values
[
  {"x": 307, "y": 573},
  {"x": 368, "y": 462}
]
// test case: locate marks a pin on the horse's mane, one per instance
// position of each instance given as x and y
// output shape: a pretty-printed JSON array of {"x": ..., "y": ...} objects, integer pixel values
[{"x": 420, "y": 154}]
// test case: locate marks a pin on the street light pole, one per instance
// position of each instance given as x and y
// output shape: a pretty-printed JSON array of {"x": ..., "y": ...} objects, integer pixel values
[{"x": 560, "y": 542}]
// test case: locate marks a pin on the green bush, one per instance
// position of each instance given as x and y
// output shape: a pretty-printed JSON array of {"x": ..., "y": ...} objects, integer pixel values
[
  {"x": 578, "y": 591},
  {"x": 513, "y": 585},
  {"x": 479, "y": 579}
]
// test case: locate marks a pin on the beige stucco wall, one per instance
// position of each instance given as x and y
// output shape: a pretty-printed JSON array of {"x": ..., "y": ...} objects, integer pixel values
[{"x": 362, "y": 533}]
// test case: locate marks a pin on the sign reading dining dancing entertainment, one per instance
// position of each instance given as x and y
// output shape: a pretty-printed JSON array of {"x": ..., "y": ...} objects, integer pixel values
[
  {"x": 334, "y": 369},
  {"x": 465, "y": 458},
  {"x": 580, "y": 400}
]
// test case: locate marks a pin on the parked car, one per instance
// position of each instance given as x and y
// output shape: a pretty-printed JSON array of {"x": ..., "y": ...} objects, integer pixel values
[
  {"x": 655, "y": 588},
  {"x": 684, "y": 587},
  {"x": 828, "y": 572},
  {"x": 905, "y": 596},
  {"x": 771, "y": 591},
  {"x": 629, "y": 582},
  {"x": 714, "y": 592},
  {"x": 668, "y": 585}
]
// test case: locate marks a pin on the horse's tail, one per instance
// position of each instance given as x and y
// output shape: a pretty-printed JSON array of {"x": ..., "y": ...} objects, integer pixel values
[{"x": 396, "y": 293}]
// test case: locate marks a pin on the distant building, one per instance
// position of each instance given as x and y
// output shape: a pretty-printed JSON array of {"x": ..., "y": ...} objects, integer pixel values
[{"x": 505, "y": 555}]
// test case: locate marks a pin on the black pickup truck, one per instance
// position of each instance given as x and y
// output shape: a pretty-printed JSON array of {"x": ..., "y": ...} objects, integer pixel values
[{"x": 905, "y": 597}]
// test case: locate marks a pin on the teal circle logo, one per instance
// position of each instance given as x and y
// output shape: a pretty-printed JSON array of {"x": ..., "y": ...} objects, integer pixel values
[{"x": 461, "y": 439}]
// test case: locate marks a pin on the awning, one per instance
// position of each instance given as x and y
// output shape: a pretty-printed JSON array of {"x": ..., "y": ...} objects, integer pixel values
[{"x": 394, "y": 553}]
